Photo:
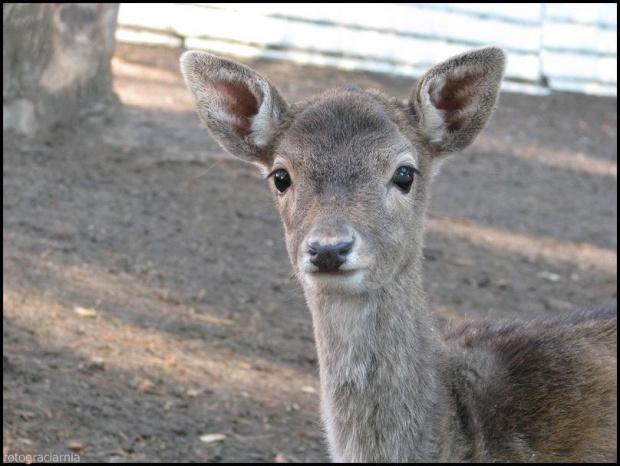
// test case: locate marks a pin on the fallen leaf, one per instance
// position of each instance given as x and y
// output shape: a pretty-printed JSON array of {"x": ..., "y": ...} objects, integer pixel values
[
  {"x": 84, "y": 312},
  {"x": 76, "y": 446},
  {"x": 97, "y": 364},
  {"x": 308, "y": 389},
  {"x": 211, "y": 438}
]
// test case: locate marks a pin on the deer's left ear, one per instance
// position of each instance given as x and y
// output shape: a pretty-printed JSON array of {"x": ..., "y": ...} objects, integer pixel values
[
  {"x": 455, "y": 99},
  {"x": 241, "y": 109}
]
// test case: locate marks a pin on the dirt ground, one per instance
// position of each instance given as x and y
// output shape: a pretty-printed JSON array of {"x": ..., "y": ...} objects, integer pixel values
[{"x": 198, "y": 327}]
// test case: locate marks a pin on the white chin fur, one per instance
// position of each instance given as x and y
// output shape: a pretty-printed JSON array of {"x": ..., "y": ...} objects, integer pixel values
[{"x": 352, "y": 283}]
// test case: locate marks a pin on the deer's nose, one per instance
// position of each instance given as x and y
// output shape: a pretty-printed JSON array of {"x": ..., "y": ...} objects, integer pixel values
[{"x": 329, "y": 257}]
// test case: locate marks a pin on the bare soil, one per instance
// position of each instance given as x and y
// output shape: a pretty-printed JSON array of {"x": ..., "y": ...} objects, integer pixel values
[{"x": 176, "y": 247}]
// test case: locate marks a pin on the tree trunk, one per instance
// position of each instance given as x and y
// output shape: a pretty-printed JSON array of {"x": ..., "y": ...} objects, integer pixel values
[{"x": 56, "y": 63}]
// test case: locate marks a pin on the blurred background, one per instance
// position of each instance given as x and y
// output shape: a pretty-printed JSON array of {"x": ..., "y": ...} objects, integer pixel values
[
  {"x": 149, "y": 313},
  {"x": 552, "y": 46}
]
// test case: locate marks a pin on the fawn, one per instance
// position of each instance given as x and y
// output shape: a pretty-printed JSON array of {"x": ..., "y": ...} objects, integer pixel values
[{"x": 351, "y": 170}]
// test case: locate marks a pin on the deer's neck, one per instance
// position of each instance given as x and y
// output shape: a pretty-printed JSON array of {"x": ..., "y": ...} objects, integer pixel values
[{"x": 379, "y": 356}]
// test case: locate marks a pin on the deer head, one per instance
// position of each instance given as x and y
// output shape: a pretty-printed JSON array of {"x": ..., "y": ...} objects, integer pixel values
[{"x": 350, "y": 169}]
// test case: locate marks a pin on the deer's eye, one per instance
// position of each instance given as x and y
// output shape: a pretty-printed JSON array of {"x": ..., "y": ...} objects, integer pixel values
[
  {"x": 281, "y": 179},
  {"x": 403, "y": 177}
]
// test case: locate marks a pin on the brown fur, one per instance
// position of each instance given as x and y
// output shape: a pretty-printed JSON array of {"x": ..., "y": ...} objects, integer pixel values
[{"x": 548, "y": 392}]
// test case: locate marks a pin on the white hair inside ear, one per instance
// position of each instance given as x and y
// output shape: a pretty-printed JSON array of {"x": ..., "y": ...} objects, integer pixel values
[
  {"x": 455, "y": 99},
  {"x": 239, "y": 107}
]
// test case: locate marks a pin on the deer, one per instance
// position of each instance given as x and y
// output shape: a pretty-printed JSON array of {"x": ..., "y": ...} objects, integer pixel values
[{"x": 350, "y": 171}]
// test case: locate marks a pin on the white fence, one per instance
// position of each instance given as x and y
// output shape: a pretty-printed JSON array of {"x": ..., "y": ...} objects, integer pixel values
[{"x": 563, "y": 46}]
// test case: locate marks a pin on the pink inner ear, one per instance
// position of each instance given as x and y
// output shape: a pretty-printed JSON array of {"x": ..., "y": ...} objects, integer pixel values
[
  {"x": 456, "y": 94},
  {"x": 240, "y": 102}
]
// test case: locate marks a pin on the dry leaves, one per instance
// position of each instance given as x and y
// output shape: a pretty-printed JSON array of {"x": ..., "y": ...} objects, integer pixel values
[
  {"x": 85, "y": 312},
  {"x": 212, "y": 438},
  {"x": 77, "y": 446}
]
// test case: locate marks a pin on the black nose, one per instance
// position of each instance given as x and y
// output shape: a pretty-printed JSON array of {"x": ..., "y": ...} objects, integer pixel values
[{"x": 329, "y": 257}]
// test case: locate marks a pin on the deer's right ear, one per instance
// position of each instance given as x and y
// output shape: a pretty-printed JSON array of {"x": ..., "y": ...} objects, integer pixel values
[{"x": 239, "y": 107}]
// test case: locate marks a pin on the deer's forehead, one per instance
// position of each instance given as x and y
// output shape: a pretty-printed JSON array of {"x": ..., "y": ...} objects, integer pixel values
[{"x": 347, "y": 131}]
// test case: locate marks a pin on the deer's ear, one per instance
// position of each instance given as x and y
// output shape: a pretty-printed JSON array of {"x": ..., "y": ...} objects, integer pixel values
[
  {"x": 455, "y": 99},
  {"x": 239, "y": 107}
]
